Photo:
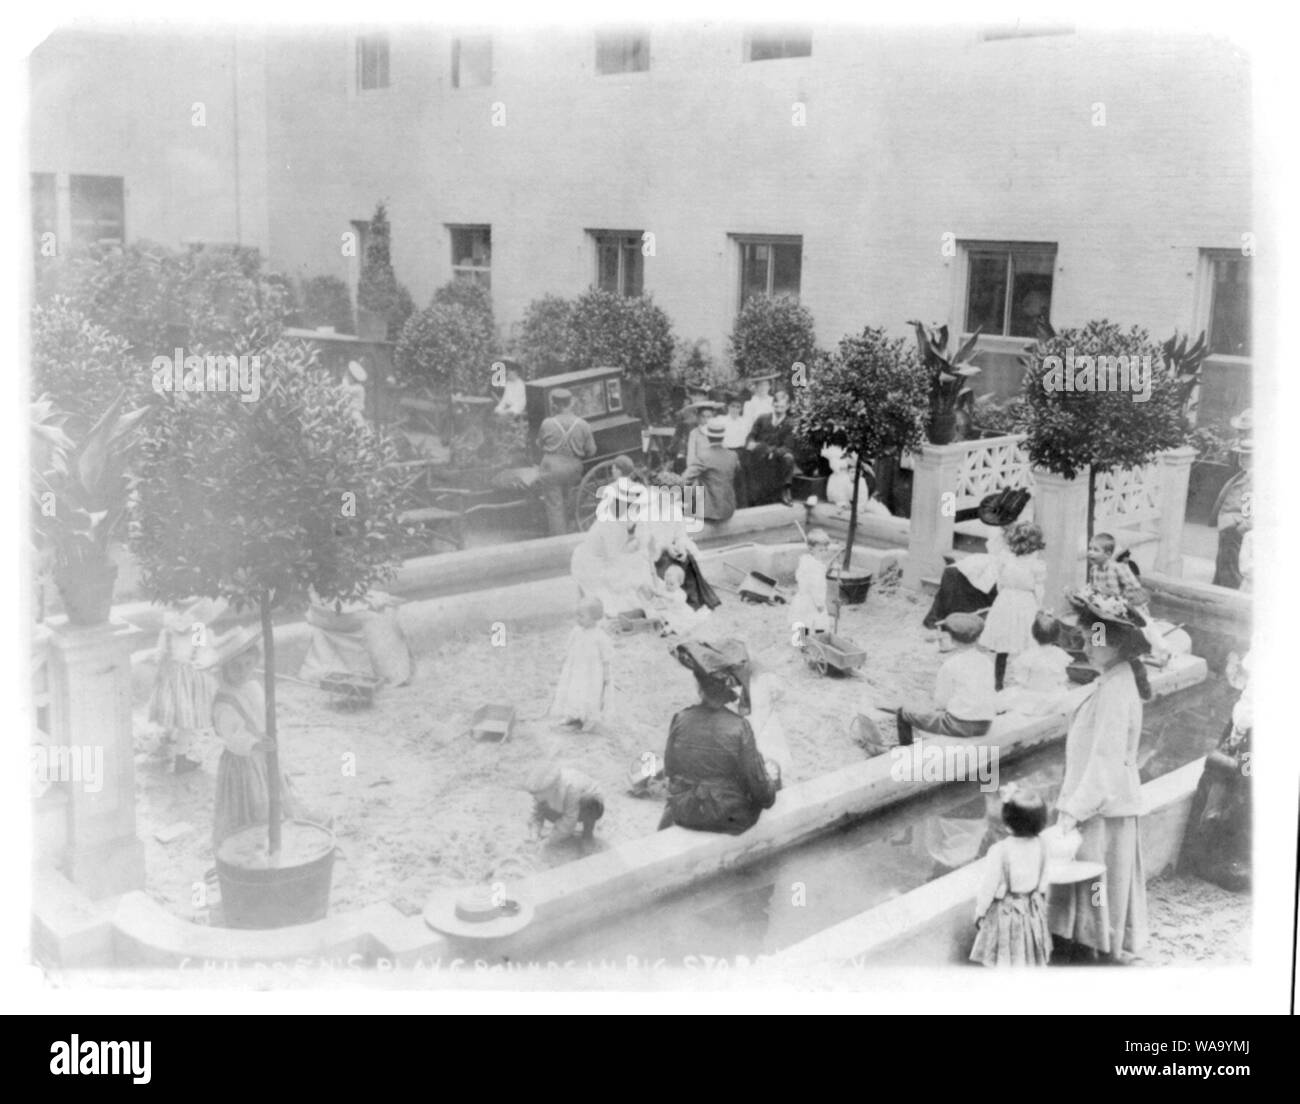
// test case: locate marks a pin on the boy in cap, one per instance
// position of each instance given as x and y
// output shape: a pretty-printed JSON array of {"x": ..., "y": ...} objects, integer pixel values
[
  {"x": 964, "y": 698},
  {"x": 565, "y": 797}
]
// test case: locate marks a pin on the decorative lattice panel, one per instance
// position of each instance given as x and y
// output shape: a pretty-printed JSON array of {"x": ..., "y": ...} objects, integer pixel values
[
  {"x": 1127, "y": 499},
  {"x": 992, "y": 465}
]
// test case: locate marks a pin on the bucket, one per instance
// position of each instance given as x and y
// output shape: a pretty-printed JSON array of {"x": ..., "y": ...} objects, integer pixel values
[
  {"x": 294, "y": 891},
  {"x": 854, "y": 588},
  {"x": 87, "y": 592}
]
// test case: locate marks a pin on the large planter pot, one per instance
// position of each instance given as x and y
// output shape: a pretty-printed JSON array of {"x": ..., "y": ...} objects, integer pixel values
[
  {"x": 802, "y": 486},
  {"x": 854, "y": 586},
  {"x": 295, "y": 890},
  {"x": 87, "y": 592},
  {"x": 1204, "y": 483},
  {"x": 943, "y": 427}
]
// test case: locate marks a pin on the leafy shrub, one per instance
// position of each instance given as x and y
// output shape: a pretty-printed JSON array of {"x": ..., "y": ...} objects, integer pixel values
[
  {"x": 545, "y": 342},
  {"x": 771, "y": 335},
  {"x": 401, "y": 312},
  {"x": 327, "y": 301},
  {"x": 377, "y": 288},
  {"x": 81, "y": 365},
  {"x": 449, "y": 345}
]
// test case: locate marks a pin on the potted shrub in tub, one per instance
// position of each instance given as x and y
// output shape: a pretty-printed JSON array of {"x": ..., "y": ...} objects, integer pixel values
[
  {"x": 258, "y": 503},
  {"x": 80, "y": 491},
  {"x": 948, "y": 391},
  {"x": 871, "y": 397}
]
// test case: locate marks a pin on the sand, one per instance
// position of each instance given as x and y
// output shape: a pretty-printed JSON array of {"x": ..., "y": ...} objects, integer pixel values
[
  {"x": 1195, "y": 922},
  {"x": 418, "y": 804}
]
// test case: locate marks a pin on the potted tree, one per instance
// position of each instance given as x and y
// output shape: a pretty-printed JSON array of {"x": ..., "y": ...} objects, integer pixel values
[
  {"x": 870, "y": 397},
  {"x": 257, "y": 503},
  {"x": 948, "y": 377},
  {"x": 80, "y": 492},
  {"x": 1072, "y": 431}
]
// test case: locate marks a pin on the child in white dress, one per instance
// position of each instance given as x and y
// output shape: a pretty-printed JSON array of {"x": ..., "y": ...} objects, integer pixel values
[
  {"x": 671, "y": 608},
  {"x": 1021, "y": 574},
  {"x": 1039, "y": 684},
  {"x": 183, "y": 689},
  {"x": 585, "y": 692},
  {"x": 809, "y": 611}
]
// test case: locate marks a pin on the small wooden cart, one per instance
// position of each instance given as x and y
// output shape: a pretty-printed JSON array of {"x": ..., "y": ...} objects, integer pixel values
[{"x": 825, "y": 652}]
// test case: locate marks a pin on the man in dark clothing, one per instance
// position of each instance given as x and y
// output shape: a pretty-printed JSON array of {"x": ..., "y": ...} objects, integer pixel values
[
  {"x": 565, "y": 441},
  {"x": 714, "y": 471},
  {"x": 717, "y": 780},
  {"x": 772, "y": 438}
]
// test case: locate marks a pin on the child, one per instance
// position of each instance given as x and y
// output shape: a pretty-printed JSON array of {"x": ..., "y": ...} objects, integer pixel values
[
  {"x": 1038, "y": 678},
  {"x": 181, "y": 702},
  {"x": 964, "y": 701},
  {"x": 1020, "y": 591},
  {"x": 808, "y": 611},
  {"x": 1112, "y": 576},
  {"x": 565, "y": 797},
  {"x": 672, "y": 610},
  {"x": 584, "y": 692},
  {"x": 239, "y": 717},
  {"x": 1010, "y": 903}
]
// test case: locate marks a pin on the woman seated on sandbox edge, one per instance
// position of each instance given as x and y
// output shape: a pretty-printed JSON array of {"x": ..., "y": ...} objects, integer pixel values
[
  {"x": 612, "y": 563},
  {"x": 970, "y": 585},
  {"x": 717, "y": 780}
]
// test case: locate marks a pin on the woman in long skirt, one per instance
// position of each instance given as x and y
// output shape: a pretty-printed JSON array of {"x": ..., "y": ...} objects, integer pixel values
[{"x": 1101, "y": 791}]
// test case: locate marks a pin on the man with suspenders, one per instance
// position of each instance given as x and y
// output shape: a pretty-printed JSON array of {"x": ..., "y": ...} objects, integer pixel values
[{"x": 565, "y": 441}]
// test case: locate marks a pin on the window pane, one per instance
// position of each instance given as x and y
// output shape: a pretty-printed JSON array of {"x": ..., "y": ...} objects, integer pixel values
[
  {"x": 753, "y": 269},
  {"x": 1230, "y": 308},
  {"x": 633, "y": 272},
  {"x": 1031, "y": 292},
  {"x": 97, "y": 209},
  {"x": 471, "y": 246},
  {"x": 767, "y": 44},
  {"x": 986, "y": 295},
  {"x": 607, "y": 265},
  {"x": 787, "y": 264},
  {"x": 622, "y": 53},
  {"x": 471, "y": 62}
]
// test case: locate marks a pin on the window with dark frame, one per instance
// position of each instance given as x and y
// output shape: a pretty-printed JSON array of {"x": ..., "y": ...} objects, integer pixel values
[
  {"x": 471, "y": 61},
  {"x": 1229, "y": 323},
  {"x": 1009, "y": 288},
  {"x": 98, "y": 210},
  {"x": 620, "y": 265},
  {"x": 471, "y": 254},
  {"x": 770, "y": 266},
  {"x": 622, "y": 52},
  {"x": 767, "y": 44},
  {"x": 45, "y": 209},
  {"x": 372, "y": 62}
]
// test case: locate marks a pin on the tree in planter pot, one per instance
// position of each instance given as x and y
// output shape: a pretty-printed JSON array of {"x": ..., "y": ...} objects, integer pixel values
[
  {"x": 870, "y": 397},
  {"x": 80, "y": 492},
  {"x": 1073, "y": 431},
  {"x": 258, "y": 503}
]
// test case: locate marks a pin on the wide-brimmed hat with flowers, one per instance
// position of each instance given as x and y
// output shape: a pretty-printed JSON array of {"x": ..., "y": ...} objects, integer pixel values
[{"x": 1119, "y": 617}]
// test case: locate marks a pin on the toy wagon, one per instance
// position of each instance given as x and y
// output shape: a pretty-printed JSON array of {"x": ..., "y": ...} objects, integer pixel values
[
  {"x": 493, "y": 723},
  {"x": 349, "y": 689},
  {"x": 825, "y": 652}
]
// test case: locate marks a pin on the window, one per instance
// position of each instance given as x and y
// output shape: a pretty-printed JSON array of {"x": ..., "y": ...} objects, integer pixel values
[
  {"x": 622, "y": 52},
  {"x": 1009, "y": 288},
  {"x": 45, "y": 209},
  {"x": 620, "y": 267},
  {"x": 770, "y": 266},
  {"x": 98, "y": 210},
  {"x": 769, "y": 43},
  {"x": 1229, "y": 316},
  {"x": 471, "y": 253},
  {"x": 372, "y": 62},
  {"x": 471, "y": 62}
]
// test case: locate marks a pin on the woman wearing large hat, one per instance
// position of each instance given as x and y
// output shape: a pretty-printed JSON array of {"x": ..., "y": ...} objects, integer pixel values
[
  {"x": 972, "y": 583},
  {"x": 1101, "y": 791},
  {"x": 717, "y": 780}
]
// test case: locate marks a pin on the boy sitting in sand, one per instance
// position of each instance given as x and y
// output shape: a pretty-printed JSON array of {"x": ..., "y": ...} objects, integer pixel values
[
  {"x": 964, "y": 699},
  {"x": 564, "y": 797}
]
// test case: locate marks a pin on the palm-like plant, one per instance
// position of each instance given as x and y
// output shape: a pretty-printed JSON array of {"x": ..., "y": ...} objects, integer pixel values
[{"x": 948, "y": 375}]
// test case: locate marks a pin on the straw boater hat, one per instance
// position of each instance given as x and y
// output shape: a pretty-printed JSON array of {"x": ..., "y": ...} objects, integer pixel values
[
  {"x": 1244, "y": 424},
  {"x": 356, "y": 371},
  {"x": 1002, "y": 507},
  {"x": 479, "y": 912},
  {"x": 716, "y": 430}
]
